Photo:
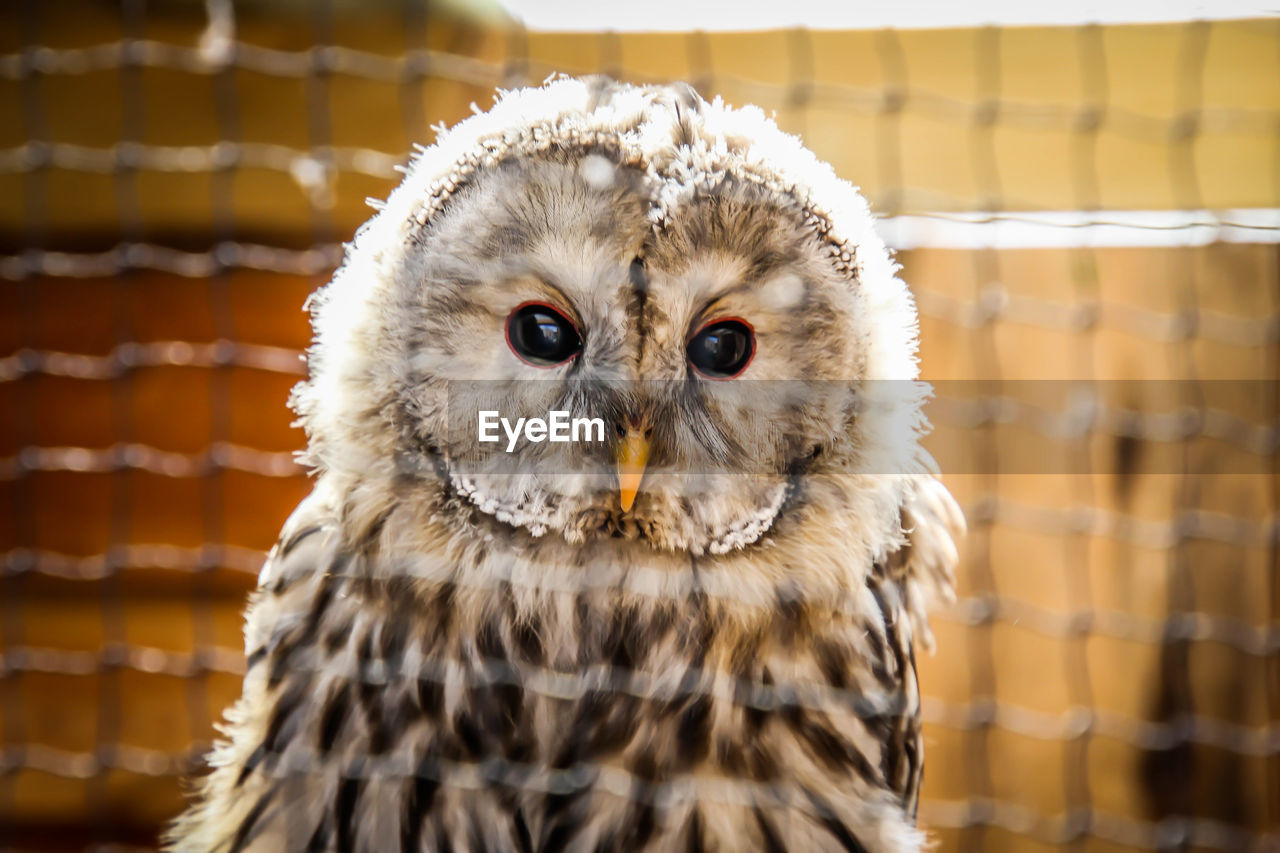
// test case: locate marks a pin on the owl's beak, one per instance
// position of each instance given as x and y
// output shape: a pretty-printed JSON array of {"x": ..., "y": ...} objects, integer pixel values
[{"x": 631, "y": 454}]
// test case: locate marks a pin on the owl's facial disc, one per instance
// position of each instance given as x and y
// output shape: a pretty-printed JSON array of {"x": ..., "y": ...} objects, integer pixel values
[{"x": 542, "y": 290}]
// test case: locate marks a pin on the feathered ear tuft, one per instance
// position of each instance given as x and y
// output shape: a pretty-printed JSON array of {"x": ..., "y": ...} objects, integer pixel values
[{"x": 933, "y": 525}]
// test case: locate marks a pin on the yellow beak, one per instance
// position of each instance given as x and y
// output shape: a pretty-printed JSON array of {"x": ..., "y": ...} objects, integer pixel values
[{"x": 631, "y": 455}]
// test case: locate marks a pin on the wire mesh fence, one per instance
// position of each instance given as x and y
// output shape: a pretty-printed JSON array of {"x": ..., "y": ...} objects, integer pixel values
[{"x": 1076, "y": 204}]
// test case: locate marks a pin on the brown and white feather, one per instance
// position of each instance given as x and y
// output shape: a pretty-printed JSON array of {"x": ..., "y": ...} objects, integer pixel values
[{"x": 441, "y": 658}]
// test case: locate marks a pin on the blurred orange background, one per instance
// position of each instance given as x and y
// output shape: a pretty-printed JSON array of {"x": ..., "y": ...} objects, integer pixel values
[{"x": 173, "y": 184}]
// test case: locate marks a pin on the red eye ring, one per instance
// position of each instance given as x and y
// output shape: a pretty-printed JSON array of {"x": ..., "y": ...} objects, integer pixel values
[
  {"x": 572, "y": 345},
  {"x": 739, "y": 369}
]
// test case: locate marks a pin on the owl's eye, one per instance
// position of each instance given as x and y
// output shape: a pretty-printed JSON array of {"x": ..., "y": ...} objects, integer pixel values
[
  {"x": 540, "y": 335},
  {"x": 722, "y": 349}
]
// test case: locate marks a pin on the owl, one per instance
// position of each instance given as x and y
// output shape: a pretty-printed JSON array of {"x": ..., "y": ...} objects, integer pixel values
[{"x": 690, "y": 624}]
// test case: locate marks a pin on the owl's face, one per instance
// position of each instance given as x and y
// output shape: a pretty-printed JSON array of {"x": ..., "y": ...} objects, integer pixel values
[
  {"x": 678, "y": 271},
  {"x": 708, "y": 348}
]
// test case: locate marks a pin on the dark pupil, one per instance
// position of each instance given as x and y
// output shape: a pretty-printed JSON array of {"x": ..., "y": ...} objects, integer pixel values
[
  {"x": 722, "y": 349},
  {"x": 542, "y": 336}
]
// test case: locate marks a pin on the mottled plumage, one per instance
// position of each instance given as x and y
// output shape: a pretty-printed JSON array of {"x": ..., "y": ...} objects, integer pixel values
[{"x": 454, "y": 650}]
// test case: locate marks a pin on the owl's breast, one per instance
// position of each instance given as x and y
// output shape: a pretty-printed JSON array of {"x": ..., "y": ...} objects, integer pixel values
[{"x": 382, "y": 709}]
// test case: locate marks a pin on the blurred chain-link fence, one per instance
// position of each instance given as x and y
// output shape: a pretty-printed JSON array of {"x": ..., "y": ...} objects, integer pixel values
[{"x": 1070, "y": 204}]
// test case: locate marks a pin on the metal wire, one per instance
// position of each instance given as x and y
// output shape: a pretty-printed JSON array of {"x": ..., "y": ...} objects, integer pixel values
[
  {"x": 1067, "y": 725},
  {"x": 338, "y": 59},
  {"x": 984, "y": 812}
]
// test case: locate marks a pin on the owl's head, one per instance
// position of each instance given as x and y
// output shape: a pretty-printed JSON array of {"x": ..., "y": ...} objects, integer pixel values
[{"x": 681, "y": 287}]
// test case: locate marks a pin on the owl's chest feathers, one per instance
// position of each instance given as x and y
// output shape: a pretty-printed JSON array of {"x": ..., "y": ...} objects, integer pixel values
[{"x": 593, "y": 691}]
